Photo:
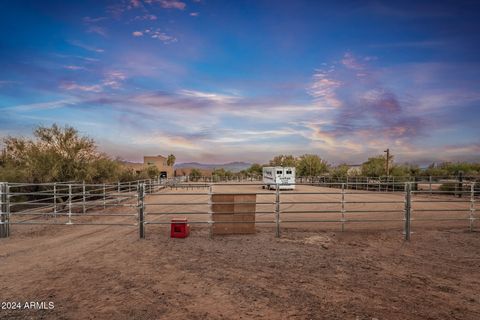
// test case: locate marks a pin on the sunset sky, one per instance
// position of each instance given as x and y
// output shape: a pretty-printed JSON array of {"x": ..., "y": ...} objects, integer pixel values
[{"x": 218, "y": 81}]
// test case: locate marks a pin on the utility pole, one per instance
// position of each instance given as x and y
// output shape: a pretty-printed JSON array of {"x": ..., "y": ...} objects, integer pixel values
[{"x": 387, "y": 162}]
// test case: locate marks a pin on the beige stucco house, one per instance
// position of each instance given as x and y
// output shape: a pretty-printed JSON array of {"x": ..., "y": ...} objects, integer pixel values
[{"x": 159, "y": 161}]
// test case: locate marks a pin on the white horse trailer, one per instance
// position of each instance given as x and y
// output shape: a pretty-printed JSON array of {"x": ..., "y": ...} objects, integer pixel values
[{"x": 284, "y": 177}]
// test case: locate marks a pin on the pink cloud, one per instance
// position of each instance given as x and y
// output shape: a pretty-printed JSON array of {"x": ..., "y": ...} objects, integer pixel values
[
  {"x": 351, "y": 62},
  {"x": 137, "y": 33},
  {"x": 74, "y": 86},
  {"x": 173, "y": 4},
  {"x": 364, "y": 106},
  {"x": 323, "y": 89},
  {"x": 135, "y": 3}
]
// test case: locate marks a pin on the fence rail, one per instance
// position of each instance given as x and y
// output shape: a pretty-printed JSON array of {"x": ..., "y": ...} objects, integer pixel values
[{"x": 154, "y": 202}]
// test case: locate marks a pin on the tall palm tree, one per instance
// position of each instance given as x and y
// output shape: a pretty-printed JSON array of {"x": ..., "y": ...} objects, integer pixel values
[{"x": 171, "y": 160}]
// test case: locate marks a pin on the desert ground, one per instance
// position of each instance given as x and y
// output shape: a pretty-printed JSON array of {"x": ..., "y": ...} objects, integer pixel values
[{"x": 313, "y": 271}]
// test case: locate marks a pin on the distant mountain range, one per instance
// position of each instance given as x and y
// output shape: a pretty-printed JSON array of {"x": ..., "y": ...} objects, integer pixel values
[{"x": 231, "y": 166}]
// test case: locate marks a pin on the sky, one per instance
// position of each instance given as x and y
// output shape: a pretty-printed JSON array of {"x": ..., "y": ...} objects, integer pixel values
[{"x": 219, "y": 81}]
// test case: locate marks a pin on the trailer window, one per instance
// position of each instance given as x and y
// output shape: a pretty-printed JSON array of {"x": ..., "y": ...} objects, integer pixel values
[
  {"x": 289, "y": 171},
  {"x": 279, "y": 171}
]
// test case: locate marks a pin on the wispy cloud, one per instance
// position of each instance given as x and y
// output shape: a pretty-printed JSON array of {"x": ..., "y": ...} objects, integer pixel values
[
  {"x": 114, "y": 79},
  {"x": 135, "y": 3},
  {"x": 90, "y": 20},
  {"x": 150, "y": 17},
  {"x": 351, "y": 62},
  {"x": 160, "y": 35},
  {"x": 323, "y": 88},
  {"x": 71, "y": 85},
  {"x": 41, "y": 105},
  {"x": 173, "y": 4},
  {"x": 111, "y": 80},
  {"x": 137, "y": 33},
  {"x": 93, "y": 27},
  {"x": 214, "y": 97},
  {"x": 98, "y": 30},
  {"x": 84, "y": 46},
  {"x": 74, "y": 67}
]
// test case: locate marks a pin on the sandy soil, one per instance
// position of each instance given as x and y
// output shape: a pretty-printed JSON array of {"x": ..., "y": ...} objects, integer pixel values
[{"x": 313, "y": 271}]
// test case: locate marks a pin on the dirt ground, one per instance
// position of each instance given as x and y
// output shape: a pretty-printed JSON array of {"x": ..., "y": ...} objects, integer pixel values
[{"x": 313, "y": 271}]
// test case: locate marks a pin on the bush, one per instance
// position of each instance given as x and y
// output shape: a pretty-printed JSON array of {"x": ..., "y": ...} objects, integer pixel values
[{"x": 57, "y": 154}]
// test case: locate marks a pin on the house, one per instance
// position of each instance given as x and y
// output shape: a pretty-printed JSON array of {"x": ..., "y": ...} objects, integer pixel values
[{"x": 159, "y": 161}]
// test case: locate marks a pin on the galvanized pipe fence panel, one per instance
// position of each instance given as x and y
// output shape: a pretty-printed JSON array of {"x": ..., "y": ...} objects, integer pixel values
[
  {"x": 67, "y": 203},
  {"x": 404, "y": 204},
  {"x": 319, "y": 203}
]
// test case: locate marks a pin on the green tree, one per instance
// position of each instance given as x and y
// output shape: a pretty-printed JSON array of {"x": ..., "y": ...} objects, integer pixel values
[
  {"x": 310, "y": 165},
  {"x": 340, "y": 171},
  {"x": 374, "y": 167},
  {"x": 255, "y": 170},
  {"x": 405, "y": 170},
  {"x": 283, "y": 161},
  {"x": 195, "y": 174},
  {"x": 171, "y": 160}
]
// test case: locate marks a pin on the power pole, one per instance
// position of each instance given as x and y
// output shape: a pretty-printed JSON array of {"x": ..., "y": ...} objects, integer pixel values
[{"x": 387, "y": 162}]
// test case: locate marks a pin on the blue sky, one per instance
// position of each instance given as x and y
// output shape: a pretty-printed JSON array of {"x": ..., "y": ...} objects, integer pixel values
[{"x": 217, "y": 81}]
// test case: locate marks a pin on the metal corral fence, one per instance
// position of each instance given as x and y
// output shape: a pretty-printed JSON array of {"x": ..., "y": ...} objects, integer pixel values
[
  {"x": 313, "y": 204},
  {"x": 392, "y": 183},
  {"x": 68, "y": 203}
]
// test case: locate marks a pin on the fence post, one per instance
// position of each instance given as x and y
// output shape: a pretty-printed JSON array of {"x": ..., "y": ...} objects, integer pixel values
[
  {"x": 104, "y": 197},
  {"x": 277, "y": 211},
  {"x": 83, "y": 196},
  {"x": 210, "y": 210},
  {"x": 472, "y": 205},
  {"x": 430, "y": 182},
  {"x": 118, "y": 192},
  {"x": 7, "y": 206},
  {"x": 55, "y": 200},
  {"x": 343, "y": 207},
  {"x": 408, "y": 207},
  {"x": 141, "y": 210},
  {"x": 460, "y": 184},
  {"x": 69, "y": 204},
  {"x": 3, "y": 211}
]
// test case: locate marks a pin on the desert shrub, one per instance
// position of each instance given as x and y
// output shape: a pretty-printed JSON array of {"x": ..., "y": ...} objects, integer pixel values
[
  {"x": 195, "y": 174},
  {"x": 59, "y": 154}
]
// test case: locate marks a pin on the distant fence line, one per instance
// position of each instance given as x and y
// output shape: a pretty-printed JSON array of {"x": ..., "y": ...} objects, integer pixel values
[{"x": 382, "y": 183}]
